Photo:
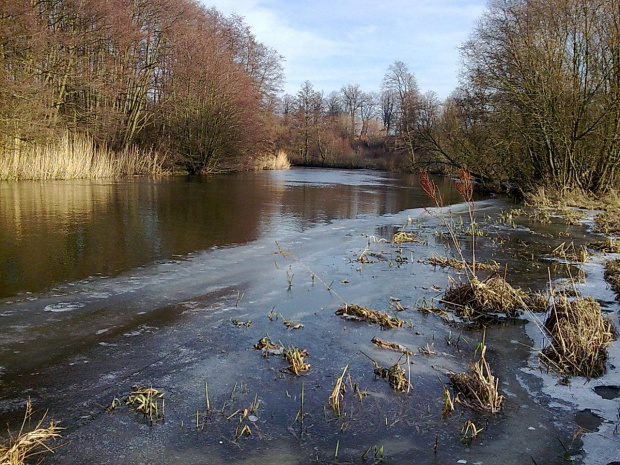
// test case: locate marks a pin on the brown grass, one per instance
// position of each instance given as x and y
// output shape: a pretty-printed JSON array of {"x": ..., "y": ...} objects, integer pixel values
[
  {"x": 74, "y": 157},
  {"x": 296, "y": 359},
  {"x": 267, "y": 347},
  {"x": 276, "y": 162},
  {"x": 395, "y": 375},
  {"x": 403, "y": 237},
  {"x": 372, "y": 316},
  {"x": 610, "y": 245},
  {"x": 478, "y": 389},
  {"x": 476, "y": 299},
  {"x": 571, "y": 253},
  {"x": 457, "y": 264},
  {"x": 579, "y": 335},
  {"x": 608, "y": 222},
  {"x": 612, "y": 275},
  {"x": 26, "y": 444},
  {"x": 391, "y": 346},
  {"x": 146, "y": 401},
  {"x": 338, "y": 392}
]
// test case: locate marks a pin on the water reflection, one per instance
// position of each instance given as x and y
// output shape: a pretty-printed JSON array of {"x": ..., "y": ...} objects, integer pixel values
[{"x": 61, "y": 231}]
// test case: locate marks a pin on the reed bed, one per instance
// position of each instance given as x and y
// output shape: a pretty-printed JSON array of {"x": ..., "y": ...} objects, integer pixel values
[
  {"x": 27, "y": 444},
  {"x": 608, "y": 222},
  {"x": 372, "y": 316},
  {"x": 478, "y": 389},
  {"x": 76, "y": 157},
  {"x": 476, "y": 299},
  {"x": 612, "y": 275},
  {"x": 275, "y": 162},
  {"x": 579, "y": 335}
]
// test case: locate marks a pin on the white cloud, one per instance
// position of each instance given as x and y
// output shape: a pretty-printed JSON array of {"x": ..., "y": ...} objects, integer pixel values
[{"x": 333, "y": 43}]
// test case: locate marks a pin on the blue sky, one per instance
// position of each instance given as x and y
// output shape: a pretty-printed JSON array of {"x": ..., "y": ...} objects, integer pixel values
[{"x": 332, "y": 43}]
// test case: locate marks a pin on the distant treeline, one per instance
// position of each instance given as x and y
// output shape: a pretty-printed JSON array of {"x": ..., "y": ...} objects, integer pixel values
[
  {"x": 539, "y": 103},
  {"x": 165, "y": 75},
  {"x": 539, "y": 100}
]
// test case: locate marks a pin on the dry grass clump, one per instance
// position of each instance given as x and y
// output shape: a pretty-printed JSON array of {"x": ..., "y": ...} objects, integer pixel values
[
  {"x": 73, "y": 157},
  {"x": 391, "y": 346},
  {"x": 612, "y": 275},
  {"x": 476, "y": 299},
  {"x": 538, "y": 302},
  {"x": 457, "y": 264},
  {"x": 338, "y": 392},
  {"x": 579, "y": 335},
  {"x": 403, "y": 237},
  {"x": 478, "y": 389},
  {"x": 395, "y": 375},
  {"x": 25, "y": 445},
  {"x": 146, "y": 401},
  {"x": 610, "y": 245},
  {"x": 608, "y": 222},
  {"x": 276, "y": 162},
  {"x": 297, "y": 360},
  {"x": 372, "y": 316},
  {"x": 267, "y": 347},
  {"x": 571, "y": 253}
]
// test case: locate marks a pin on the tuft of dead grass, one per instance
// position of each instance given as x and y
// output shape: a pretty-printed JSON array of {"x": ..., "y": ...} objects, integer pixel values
[
  {"x": 478, "y": 389},
  {"x": 402, "y": 237},
  {"x": 579, "y": 335},
  {"x": 338, "y": 392},
  {"x": 356, "y": 312},
  {"x": 267, "y": 347},
  {"x": 296, "y": 359},
  {"x": 475, "y": 298},
  {"x": 571, "y": 253},
  {"x": 610, "y": 245},
  {"x": 395, "y": 375},
  {"x": 146, "y": 401},
  {"x": 457, "y": 264},
  {"x": 26, "y": 444},
  {"x": 391, "y": 346},
  {"x": 612, "y": 275},
  {"x": 608, "y": 222}
]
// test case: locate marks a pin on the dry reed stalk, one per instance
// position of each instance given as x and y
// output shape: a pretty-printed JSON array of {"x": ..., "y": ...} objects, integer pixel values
[
  {"x": 275, "y": 162},
  {"x": 372, "y": 316},
  {"x": 391, "y": 346},
  {"x": 296, "y": 358},
  {"x": 579, "y": 335},
  {"x": 338, "y": 392},
  {"x": 612, "y": 275},
  {"x": 479, "y": 388},
  {"x": 25, "y": 445},
  {"x": 476, "y": 299},
  {"x": 571, "y": 253},
  {"x": 448, "y": 402}
]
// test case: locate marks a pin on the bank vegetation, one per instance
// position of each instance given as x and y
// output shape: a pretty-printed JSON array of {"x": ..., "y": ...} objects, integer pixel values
[{"x": 538, "y": 103}]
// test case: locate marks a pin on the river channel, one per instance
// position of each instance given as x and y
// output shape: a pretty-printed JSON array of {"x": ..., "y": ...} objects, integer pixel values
[{"x": 168, "y": 283}]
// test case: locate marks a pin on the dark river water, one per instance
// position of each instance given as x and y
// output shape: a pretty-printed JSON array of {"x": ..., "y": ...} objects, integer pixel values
[
  {"x": 169, "y": 283},
  {"x": 62, "y": 231}
]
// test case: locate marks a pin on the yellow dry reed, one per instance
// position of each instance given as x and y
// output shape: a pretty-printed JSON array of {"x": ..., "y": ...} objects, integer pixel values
[{"x": 372, "y": 316}]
